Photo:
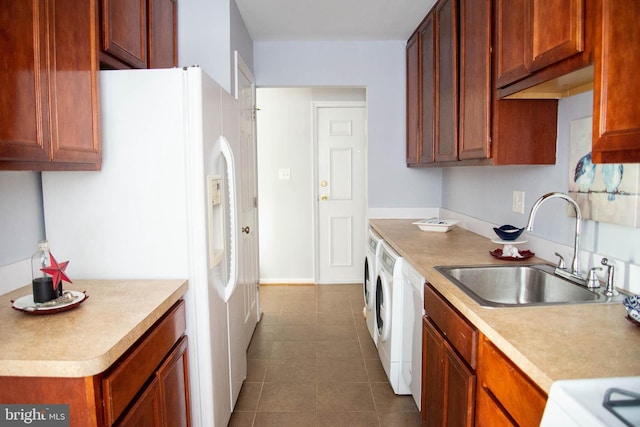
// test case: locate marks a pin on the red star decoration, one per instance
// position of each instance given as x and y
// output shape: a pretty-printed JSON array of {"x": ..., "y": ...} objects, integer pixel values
[{"x": 57, "y": 271}]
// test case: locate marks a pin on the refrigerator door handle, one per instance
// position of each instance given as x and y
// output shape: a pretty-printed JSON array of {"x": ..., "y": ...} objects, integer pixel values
[{"x": 232, "y": 282}]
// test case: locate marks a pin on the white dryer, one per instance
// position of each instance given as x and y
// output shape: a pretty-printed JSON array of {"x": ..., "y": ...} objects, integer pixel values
[
  {"x": 389, "y": 299},
  {"x": 411, "y": 365},
  {"x": 369, "y": 282}
]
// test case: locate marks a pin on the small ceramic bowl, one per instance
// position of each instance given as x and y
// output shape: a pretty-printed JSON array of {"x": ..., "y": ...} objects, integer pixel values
[
  {"x": 632, "y": 304},
  {"x": 508, "y": 232}
]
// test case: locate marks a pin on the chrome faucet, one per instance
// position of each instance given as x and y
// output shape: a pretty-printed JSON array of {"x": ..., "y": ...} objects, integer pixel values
[{"x": 573, "y": 275}]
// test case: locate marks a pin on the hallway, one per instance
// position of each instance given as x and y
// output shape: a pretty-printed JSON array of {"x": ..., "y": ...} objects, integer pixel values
[{"x": 312, "y": 362}]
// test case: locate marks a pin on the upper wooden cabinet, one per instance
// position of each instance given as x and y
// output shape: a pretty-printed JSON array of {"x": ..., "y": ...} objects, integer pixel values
[
  {"x": 616, "y": 114},
  {"x": 138, "y": 34},
  {"x": 464, "y": 123},
  {"x": 49, "y": 118},
  {"x": 534, "y": 34}
]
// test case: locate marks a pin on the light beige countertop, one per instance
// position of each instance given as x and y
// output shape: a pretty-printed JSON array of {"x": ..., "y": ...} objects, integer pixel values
[
  {"x": 87, "y": 339},
  {"x": 548, "y": 343}
]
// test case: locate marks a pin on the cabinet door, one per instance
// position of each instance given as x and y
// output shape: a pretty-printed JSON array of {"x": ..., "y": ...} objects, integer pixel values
[
  {"x": 616, "y": 115},
  {"x": 73, "y": 84},
  {"x": 432, "y": 388},
  {"x": 475, "y": 80},
  {"x": 512, "y": 31},
  {"x": 23, "y": 80},
  {"x": 557, "y": 31},
  {"x": 448, "y": 384},
  {"x": 413, "y": 99},
  {"x": 446, "y": 103},
  {"x": 124, "y": 31},
  {"x": 174, "y": 386},
  {"x": 163, "y": 40},
  {"x": 428, "y": 50},
  {"x": 459, "y": 385},
  {"x": 146, "y": 411}
]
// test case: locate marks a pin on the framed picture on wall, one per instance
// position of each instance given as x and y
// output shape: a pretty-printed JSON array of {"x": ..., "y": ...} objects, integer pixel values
[{"x": 605, "y": 192}]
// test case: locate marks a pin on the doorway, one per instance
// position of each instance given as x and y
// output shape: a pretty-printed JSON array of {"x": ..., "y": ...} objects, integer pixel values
[
  {"x": 288, "y": 184},
  {"x": 340, "y": 145}
]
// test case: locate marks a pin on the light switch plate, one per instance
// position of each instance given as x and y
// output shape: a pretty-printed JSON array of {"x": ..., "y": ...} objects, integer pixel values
[{"x": 284, "y": 173}]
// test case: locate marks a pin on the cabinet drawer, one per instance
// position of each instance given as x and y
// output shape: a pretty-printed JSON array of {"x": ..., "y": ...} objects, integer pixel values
[
  {"x": 462, "y": 335},
  {"x": 512, "y": 389},
  {"x": 121, "y": 384}
]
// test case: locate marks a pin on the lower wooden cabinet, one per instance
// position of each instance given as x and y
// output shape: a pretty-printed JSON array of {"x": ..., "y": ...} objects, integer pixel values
[
  {"x": 165, "y": 401},
  {"x": 466, "y": 380},
  {"x": 449, "y": 357},
  {"x": 160, "y": 356},
  {"x": 146, "y": 386}
]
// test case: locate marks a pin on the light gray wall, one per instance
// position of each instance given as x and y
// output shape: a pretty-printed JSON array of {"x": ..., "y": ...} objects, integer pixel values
[
  {"x": 380, "y": 68},
  {"x": 21, "y": 218},
  {"x": 240, "y": 41},
  {"x": 208, "y": 34},
  {"x": 486, "y": 193}
]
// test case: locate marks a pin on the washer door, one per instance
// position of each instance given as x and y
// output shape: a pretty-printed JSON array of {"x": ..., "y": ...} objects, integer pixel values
[
  {"x": 383, "y": 306},
  {"x": 368, "y": 284}
]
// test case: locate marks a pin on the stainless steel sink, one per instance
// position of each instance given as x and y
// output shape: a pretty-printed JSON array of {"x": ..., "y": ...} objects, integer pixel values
[{"x": 520, "y": 285}]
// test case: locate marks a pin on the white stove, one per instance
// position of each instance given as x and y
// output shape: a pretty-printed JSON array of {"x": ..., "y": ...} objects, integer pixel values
[{"x": 580, "y": 403}]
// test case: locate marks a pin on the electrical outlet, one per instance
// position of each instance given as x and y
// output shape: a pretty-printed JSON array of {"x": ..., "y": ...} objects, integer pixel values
[{"x": 518, "y": 202}]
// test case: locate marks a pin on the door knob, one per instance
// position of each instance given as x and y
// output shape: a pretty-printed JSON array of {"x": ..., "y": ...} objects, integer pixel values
[
  {"x": 324, "y": 197},
  {"x": 245, "y": 229}
]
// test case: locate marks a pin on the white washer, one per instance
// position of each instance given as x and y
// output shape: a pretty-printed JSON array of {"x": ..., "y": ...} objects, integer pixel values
[
  {"x": 369, "y": 282},
  {"x": 389, "y": 299},
  {"x": 411, "y": 365}
]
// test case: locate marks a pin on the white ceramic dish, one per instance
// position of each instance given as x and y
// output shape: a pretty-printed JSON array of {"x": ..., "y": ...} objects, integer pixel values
[{"x": 436, "y": 224}]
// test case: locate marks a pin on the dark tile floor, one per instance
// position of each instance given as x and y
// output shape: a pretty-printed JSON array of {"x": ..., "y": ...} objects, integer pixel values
[{"x": 312, "y": 362}]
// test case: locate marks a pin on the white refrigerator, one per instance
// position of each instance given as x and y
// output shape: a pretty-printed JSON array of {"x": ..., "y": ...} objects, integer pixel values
[{"x": 164, "y": 206}]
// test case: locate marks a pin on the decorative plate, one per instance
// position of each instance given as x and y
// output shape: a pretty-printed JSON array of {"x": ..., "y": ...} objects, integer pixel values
[
  {"x": 26, "y": 304},
  {"x": 524, "y": 255}
]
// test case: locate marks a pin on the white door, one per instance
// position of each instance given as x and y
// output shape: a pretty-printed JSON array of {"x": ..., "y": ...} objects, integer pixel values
[
  {"x": 340, "y": 133},
  {"x": 249, "y": 270}
]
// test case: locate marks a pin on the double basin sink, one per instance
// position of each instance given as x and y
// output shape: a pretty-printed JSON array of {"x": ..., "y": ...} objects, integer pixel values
[{"x": 521, "y": 285}]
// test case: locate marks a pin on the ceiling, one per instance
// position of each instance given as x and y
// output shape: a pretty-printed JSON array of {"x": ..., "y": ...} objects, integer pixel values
[{"x": 331, "y": 20}]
